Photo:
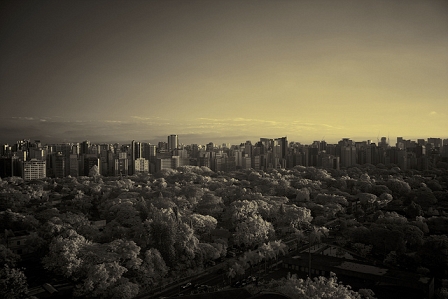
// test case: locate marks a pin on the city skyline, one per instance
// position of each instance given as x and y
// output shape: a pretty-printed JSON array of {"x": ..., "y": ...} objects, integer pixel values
[
  {"x": 175, "y": 141},
  {"x": 223, "y": 72}
]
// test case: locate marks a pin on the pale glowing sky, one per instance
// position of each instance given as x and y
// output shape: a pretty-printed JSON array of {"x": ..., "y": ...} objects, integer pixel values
[{"x": 223, "y": 71}]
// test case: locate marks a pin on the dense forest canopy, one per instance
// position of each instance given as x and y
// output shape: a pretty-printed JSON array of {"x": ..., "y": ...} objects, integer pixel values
[{"x": 121, "y": 236}]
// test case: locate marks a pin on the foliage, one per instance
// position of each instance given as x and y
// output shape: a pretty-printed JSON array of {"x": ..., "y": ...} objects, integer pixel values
[
  {"x": 13, "y": 283},
  {"x": 319, "y": 287},
  {"x": 7, "y": 257},
  {"x": 158, "y": 225},
  {"x": 153, "y": 269},
  {"x": 253, "y": 231}
]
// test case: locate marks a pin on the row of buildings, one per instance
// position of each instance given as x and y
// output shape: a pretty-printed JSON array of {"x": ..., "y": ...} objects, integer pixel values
[{"x": 32, "y": 160}]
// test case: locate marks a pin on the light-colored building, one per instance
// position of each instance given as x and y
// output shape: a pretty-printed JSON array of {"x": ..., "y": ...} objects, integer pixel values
[
  {"x": 34, "y": 170},
  {"x": 141, "y": 165},
  {"x": 121, "y": 166},
  {"x": 167, "y": 163}
]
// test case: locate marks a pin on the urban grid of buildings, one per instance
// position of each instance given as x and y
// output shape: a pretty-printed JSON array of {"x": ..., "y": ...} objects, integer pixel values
[{"x": 32, "y": 160}]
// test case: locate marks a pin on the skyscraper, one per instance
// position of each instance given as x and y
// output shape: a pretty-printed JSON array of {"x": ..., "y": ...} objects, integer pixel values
[
  {"x": 172, "y": 142},
  {"x": 283, "y": 143},
  {"x": 85, "y": 147}
]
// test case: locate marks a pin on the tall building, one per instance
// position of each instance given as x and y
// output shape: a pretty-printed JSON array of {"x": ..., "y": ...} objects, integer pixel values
[
  {"x": 347, "y": 152},
  {"x": 133, "y": 155},
  {"x": 141, "y": 165},
  {"x": 37, "y": 153},
  {"x": 121, "y": 165},
  {"x": 10, "y": 166},
  {"x": 85, "y": 147},
  {"x": 210, "y": 147},
  {"x": 89, "y": 161},
  {"x": 248, "y": 148},
  {"x": 283, "y": 143},
  {"x": 435, "y": 142},
  {"x": 173, "y": 142},
  {"x": 162, "y": 147},
  {"x": 167, "y": 163},
  {"x": 58, "y": 166},
  {"x": 313, "y": 156},
  {"x": 74, "y": 165},
  {"x": 238, "y": 158},
  {"x": 34, "y": 170},
  {"x": 194, "y": 151}
]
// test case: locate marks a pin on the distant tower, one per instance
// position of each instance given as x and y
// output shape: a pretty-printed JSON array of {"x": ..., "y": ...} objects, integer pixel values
[
  {"x": 172, "y": 142},
  {"x": 283, "y": 143},
  {"x": 133, "y": 156},
  {"x": 85, "y": 147}
]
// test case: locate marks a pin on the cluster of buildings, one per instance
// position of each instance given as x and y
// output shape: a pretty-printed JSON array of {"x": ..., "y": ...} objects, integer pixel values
[{"x": 32, "y": 160}]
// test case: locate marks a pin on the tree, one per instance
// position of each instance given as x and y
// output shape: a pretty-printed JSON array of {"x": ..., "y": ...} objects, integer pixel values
[
  {"x": 319, "y": 287},
  {"x": 203, "y": 224},
  {"x": 209, "y": 252},
  {"x": 360, "y": 234},
  {"x": 253, "y": 231},
  {"x": 434, "y": 253},
  {"x": 385, "y": 239},
  {"x": 253, "y": 257},
  {"x": 163, "y": 232},
  {"x": 153, "y": 269},
  {"x": 324, "y": 199},
  {"x": 231, "y": 273},
  {"x": 278, "y": 247},
  {"x": 362, "y": 249},
  {"x": 314, "y": 237},
  {"x": 105, "y": 280},
  {"x": 95, "y": 268},
  {"x": 240, "y": 210},
  {"x": 413, "y": 210},
  {"x": 186, "y": 244},
  {"x": 424, "y": 197},
  {"x": 63, "y": 256},
  {"x": 210, "y": 204},
  {"x": 398, "y": 187},
  {"x": 295, "y": 216},
  {"x": 300, "y": 236},
  {"x": 13, "y": 283},
  {"x": 7, "y": 257},
  {"x": 303, "y": 195}
]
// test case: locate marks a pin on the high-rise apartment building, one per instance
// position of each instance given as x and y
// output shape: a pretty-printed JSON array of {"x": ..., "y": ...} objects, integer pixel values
[
  {"x": 167, "y": 163},
  {"x": 58, "y": 165},
  {"x": 74, "y": 165},
  {"x": 435, "y": 142},
  {"x": 34, "y": 170},
  {"x": 141, "y": 165},
  {"x": 121, "y": 165}
]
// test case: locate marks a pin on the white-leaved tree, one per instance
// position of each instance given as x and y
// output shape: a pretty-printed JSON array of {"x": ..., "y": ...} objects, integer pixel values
[
  {"x": 319, "y": 287},
  {"x": 253, "y": 231}
]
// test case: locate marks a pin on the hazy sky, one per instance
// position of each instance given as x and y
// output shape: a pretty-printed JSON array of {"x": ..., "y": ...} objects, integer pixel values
[{"x": 223, "y": 71}]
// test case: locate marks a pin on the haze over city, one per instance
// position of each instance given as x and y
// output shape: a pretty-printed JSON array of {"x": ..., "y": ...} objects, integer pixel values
[{"x": 223, "y": 71}]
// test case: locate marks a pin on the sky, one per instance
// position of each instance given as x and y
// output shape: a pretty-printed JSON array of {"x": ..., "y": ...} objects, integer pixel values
[{"x": 223, "y": 70}]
